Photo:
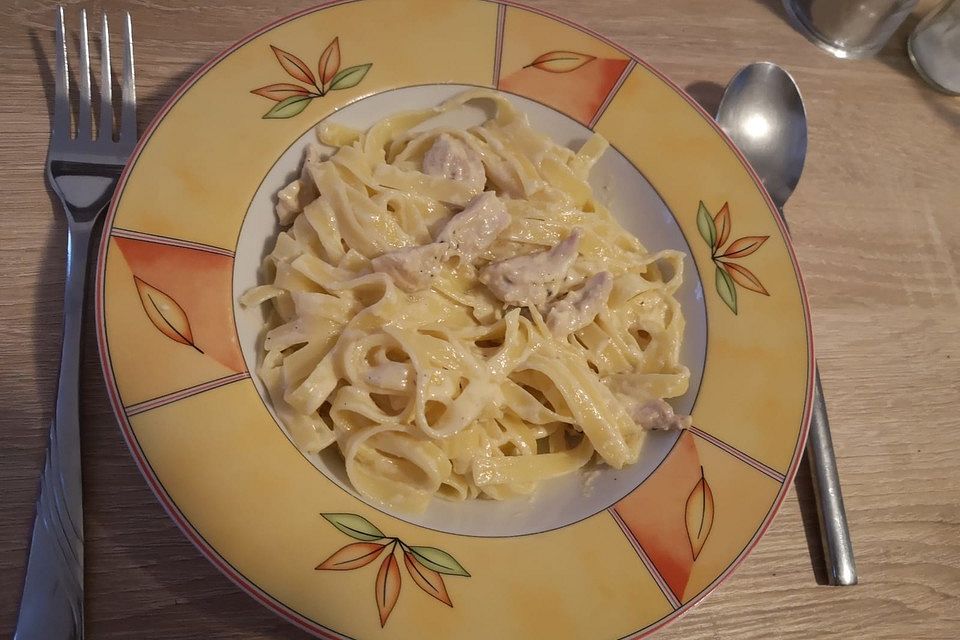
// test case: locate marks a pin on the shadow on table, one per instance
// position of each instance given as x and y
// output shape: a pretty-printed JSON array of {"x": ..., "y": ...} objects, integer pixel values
[
  {"x": 894, "y": 53},
  {"x": 48, "y": 303},
  {"x": 803, "y": 485},
  {"x": 707, "y": 94},
  {"x": 776, "y": 7}
]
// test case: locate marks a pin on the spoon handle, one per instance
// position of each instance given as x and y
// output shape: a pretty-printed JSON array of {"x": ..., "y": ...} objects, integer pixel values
[
  {"x": 834, "y": 532},
  {"x": 835, "y": 536}
]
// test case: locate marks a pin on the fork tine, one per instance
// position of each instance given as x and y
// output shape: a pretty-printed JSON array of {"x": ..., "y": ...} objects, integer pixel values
[
  {"x": 84, "y": 118},
  {"x": 61, "y": 103},
  {"x": 128, "y": 116},
  {"x": 105, "y": 129}
]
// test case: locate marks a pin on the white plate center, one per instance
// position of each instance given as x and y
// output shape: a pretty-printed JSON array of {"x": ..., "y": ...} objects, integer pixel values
[{"x": 635, "y": 204}]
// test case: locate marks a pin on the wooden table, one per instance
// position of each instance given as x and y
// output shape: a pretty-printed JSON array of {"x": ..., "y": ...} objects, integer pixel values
[{"x": 876, "y": 222}]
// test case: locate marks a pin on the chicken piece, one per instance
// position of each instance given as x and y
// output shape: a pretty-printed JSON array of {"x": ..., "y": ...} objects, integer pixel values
[
  {"x": 657, "y": 415},
  {"x": 475, "y": 228},
  {"x": 580, "y": 307},
  {"x": 531, "y": 279},
  {"x": 452, "y": 159},
  {"x": 411, "y": 268}
]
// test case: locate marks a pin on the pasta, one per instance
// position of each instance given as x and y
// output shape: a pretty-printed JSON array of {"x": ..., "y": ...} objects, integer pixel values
[{"x": 458, "y": 314}]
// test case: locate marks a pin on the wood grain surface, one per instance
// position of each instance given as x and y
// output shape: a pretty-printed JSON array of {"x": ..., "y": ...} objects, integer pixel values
[{"x": 876, "y": 223}]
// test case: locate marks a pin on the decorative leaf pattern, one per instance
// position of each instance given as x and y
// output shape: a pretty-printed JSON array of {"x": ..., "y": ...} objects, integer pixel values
[
  {"x": 744, "y": 277},
  {"x": 715, "y": 231},
  {"x": 561, "y": 61},
  {"x": 281, "y": 91},
  {"x": 744, "y": 246},
  {"x": 706, "y": 225},
  {"x": 426, "y": 566},
  {"x": 722, "y": 222},
  {"x": 294, "y": 66},
  {"x": 726, "y": 289},
  {"x": 352, "y": 556},
  {"x": 354, "y": 526},
  {"x": 699, "y": 514},
  {"x": 289, "y": 107},
  {"x": 291, "y": 98},
  {"x": 388, "y": 587},
  {"x": 427, "y": 579},
  {"x": 329, "y": 62},
  {"x": 349, "y": 77},
  {"x": 439, "y": 560},
  {"x": 165, "y": 314}
]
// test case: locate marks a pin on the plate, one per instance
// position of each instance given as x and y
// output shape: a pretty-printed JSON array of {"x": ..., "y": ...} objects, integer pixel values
[{"x": 603, "y": 554}]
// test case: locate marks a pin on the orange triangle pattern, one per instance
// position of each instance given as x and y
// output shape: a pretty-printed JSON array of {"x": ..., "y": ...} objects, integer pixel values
[
  {"x": 200, "y": 283},
  {"x": 579, "y": 93},
  {"x": 655, "y": 514}
]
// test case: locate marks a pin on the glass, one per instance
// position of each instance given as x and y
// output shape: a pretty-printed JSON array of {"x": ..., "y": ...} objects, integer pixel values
[
  {"x": 934, "y": 47},
  {"x": 849, "y": 28}
]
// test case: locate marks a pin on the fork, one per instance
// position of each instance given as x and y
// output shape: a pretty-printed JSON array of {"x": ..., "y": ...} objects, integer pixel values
[{"x": 83, "y": 171}]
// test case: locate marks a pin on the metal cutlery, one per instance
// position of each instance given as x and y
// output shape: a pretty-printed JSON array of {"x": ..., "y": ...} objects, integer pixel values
[
  {"x": 763, "y": 113},
  {"x": 83, "y": 168}
]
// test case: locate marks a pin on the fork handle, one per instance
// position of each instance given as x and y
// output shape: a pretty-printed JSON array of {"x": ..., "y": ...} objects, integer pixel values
[{"x": 51, "y": 607}]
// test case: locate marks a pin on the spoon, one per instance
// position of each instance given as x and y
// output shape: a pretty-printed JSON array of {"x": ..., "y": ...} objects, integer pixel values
[{"x": 762, "y": 112}]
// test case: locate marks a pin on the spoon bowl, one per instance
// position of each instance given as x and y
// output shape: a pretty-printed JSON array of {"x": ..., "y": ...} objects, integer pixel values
[{"x": 762, "y": 112}]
